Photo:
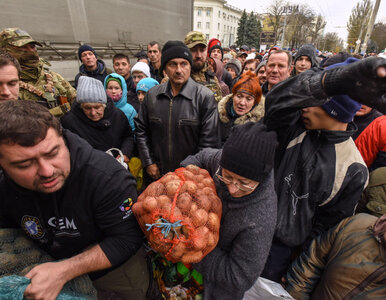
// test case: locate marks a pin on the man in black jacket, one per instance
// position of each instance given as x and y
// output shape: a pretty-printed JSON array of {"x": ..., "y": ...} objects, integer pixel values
[
  {"x": 319, "y": 173},
  {"x": 177, "y": 118},
  {"x": 73, "y": 201},
  {"x": 91, "y": 65}
]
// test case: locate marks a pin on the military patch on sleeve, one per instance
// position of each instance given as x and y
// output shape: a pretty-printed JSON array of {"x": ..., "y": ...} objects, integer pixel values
[
  {"x": 32, "y": 227},
  {"x": 126, "y": 207}
]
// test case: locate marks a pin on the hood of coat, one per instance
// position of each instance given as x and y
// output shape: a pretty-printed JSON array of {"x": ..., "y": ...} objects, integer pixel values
[
  {"x": 103, "y": 123},
  {"x": 254, "y": 115},
  {"x": 123, "y": 101}
]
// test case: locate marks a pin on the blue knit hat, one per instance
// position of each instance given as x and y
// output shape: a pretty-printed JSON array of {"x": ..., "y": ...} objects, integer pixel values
[
  {"x": 85, "y": 48},
  {"x": 146, "y": 84},
  {"x": 342, "y": 107}
]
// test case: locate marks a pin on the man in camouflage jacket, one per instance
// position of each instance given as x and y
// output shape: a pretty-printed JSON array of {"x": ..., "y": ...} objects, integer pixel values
[
  {"x": 37, "y": 83},
  {"x": 197, "y": 44}
]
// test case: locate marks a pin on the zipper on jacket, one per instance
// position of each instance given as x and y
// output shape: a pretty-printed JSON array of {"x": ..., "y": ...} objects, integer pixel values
[{"x": 170, "y": 129}]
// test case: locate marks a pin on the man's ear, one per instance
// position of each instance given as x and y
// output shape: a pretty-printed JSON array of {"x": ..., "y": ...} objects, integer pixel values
[{"x": 290, "y": 70}]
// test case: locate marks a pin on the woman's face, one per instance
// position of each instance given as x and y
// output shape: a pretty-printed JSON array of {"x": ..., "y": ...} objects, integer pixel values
[
  {"x": 93, "y": 111},
  {"x": 242, "y": 103},
  {"x": 232, "y": 72},
  {"x": 114, "y": 90},
  {"x": 238, "y": 186}
]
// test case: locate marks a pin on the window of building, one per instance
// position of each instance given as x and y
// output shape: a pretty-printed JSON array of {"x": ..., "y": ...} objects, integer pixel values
[
  {"x": 228, "y": 18},
  {"x": 198, "y": 24},
  {"x": 225, "y": 27},
  {"x": 208, "y": 13},
  {"x": 218, "y": 26},
  {"x": 199, "y": 12},
  {"x": 224, "y": 15},
  {"x": 218, "y": 36},
  {"x": 219, "y": 14},
  {"x": 207, "y": 37},
  {"x": 207, "y": 25}
]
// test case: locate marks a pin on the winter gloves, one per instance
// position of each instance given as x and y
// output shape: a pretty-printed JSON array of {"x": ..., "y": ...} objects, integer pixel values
[{"x": 363, "y": 81}]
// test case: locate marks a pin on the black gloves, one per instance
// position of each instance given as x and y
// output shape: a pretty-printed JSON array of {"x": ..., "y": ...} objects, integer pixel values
[{"x": 360, "y": 81}]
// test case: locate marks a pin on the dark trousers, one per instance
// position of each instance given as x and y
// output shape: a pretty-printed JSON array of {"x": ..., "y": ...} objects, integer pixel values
[{"x": 278, "y": 262}]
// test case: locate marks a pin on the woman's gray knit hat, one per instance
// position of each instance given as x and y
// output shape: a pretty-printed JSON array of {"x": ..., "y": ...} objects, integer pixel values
[
  {"x": 90, "y": 90},
  {"x": 235, "y": 64}
]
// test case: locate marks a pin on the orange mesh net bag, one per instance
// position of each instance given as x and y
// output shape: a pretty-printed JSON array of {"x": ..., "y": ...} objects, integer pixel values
[{"x": 180, "y": 214}]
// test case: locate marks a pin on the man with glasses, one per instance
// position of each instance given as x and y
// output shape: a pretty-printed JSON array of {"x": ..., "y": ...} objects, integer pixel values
[{"x": 242, "y": 172}]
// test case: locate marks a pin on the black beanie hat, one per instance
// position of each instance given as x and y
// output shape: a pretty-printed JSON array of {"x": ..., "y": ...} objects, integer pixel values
[
  {"x": 337, "y": 58},
  {"x": 216, "y": 47},
  {"x": 249, "y": 151},
  {"x": 85, "y": 48},
  {"x": 174, "y": 49}
]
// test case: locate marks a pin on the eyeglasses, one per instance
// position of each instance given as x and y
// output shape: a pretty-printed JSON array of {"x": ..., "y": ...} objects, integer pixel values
[{"x": 241, "y": 187}]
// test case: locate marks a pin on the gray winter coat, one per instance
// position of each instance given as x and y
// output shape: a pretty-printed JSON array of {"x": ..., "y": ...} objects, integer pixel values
[{"x": 246, "y": 231}]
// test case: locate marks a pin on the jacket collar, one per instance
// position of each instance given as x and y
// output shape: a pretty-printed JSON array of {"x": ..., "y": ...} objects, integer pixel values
[{"x": 187, "y": 91}]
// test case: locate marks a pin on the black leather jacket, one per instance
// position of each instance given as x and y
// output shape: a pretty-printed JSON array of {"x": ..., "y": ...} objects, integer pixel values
[{"x": 168, "y": 129}]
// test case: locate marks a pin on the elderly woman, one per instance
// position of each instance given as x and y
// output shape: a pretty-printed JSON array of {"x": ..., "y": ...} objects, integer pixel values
[
  {"x": 243, "y": 175},
  {"x": 245, "y": 104},
  {"x": 97, "y": 120}
]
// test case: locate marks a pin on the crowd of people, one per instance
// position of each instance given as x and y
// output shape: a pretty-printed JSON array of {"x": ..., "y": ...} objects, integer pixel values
[{"x": 295, "y": 143}]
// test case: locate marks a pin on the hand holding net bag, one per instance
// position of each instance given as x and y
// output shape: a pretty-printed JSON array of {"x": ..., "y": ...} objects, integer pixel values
[{"x": 180, "y": 214}]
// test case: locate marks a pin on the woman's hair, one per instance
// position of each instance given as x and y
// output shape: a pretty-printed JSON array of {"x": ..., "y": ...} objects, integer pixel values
[{"x": 249, "y": 83}]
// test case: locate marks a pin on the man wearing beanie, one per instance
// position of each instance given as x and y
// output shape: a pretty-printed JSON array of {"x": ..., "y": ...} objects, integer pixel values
[
  {"x": 37, "y": 83},
  {"x": 91, "y": 65},
  {"x": 243, "y": 175},
  {"x": 177, "y": 118},
  {"x": 197, "y": 44},
  {"x": 319, "y": 173}
]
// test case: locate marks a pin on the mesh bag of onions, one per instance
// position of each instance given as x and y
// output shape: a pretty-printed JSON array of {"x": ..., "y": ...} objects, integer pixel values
[{"x": 180, "y": 214}]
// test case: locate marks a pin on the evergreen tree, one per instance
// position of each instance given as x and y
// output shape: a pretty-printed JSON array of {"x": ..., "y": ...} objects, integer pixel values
[
  {"x": 241, "y": 29},
  {"x": 253, "y": 29}
]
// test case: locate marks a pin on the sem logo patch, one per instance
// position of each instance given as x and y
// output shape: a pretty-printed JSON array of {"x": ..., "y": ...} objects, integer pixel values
[
  {"x": 126, "y": 207},
  {"x": 32, "y": 227}
]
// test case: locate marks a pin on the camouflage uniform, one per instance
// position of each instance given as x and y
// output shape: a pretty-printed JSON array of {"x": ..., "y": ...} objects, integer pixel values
[
  {"x": 38, "y": 83},
  {"x": 204, "y": 76}
]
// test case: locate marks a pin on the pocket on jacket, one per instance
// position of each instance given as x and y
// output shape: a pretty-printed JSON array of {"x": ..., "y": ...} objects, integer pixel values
[
  {"x": 155, "y": 120},
  {"x": 188, "y": 122}
]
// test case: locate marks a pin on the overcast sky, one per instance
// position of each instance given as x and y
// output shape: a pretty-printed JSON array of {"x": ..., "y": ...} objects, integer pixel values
[{"x": 336, "y": 12}]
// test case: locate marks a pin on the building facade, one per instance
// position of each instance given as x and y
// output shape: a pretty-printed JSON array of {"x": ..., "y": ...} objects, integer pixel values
[{"x": 216, "y": 19}]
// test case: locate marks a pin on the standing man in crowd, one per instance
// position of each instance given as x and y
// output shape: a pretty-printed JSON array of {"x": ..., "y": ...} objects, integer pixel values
[
  {"x": 197, "y": 44},
  {"x": 154, "y": 55},
  {"x": 37, "y": 83},
  {"x": 73, "y": 201},
  {"x": 177, "y": 118},
  {"x": 319, "y": 172},
  {"x": 91, "y": 65},
  {"x": 9, "y": 77},
  {"x": 277, "y": 69}
]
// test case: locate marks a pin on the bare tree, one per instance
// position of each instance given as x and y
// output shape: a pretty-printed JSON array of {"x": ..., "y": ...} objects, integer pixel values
[
  {"x": 276, "y": 12},
  {"x": 317, "y": 32},
  {"x": 300, "y": 26}
]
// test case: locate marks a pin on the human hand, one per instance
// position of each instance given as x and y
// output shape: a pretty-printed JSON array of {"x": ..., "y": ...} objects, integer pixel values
[
  {"x": 364, "y": 81},
  {"x": 47, "y": 280},
  {"x": 153, "y": 171}
]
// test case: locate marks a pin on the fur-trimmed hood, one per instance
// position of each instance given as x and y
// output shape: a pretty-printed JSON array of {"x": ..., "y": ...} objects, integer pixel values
[{"x": 254, "y": 115}]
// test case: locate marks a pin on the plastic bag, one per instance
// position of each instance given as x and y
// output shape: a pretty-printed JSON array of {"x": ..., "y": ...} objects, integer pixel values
[
  {"x": 265, "y": 289},
  {"x": 13, "y": 287},
  {"x": 180, "y": 214},
  {"x": 119, "y": 157}
]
